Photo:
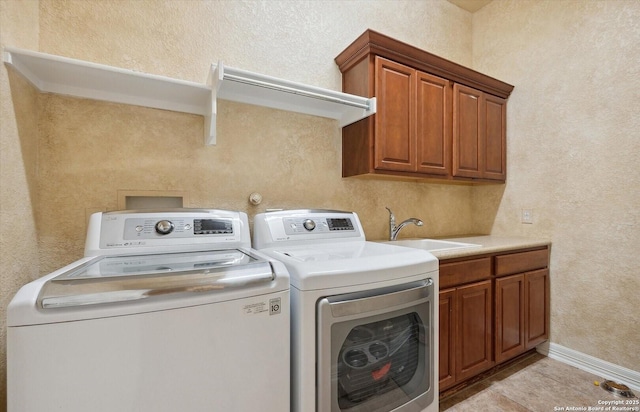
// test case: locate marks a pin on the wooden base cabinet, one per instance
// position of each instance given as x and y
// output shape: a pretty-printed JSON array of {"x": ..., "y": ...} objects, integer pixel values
[
  {"x": 510, "y": 317},
  {"x": 522, "y": 302},
  {"x": 536, "y": 308},
  {"x": 473, "y": 331},
  {"x": 492, "y": 309},
  {"x": 522, "y": 313},
  {"x": 466, "y": 320},
  {"x": 446, "y": 366}
]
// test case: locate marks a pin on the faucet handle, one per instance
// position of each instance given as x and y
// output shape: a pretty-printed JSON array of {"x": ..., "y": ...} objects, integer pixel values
[{"x": 392, "y": 217}]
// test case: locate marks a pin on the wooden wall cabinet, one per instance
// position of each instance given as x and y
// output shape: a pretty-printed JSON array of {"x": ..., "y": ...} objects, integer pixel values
[
  {"x": 479, "y": 134},
  {"x": 411, "y": 128},
  {"x": 410, "y": 133},
  {"x": 435, "y": 119},
  {"x": 492, "y": 308}
]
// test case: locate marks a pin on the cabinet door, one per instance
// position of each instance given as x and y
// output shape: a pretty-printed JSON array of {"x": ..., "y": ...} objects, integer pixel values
[
  {"x": 395, "y": 144},
  {"x": 433, "y": 128},
  {"x": 473, "y": 330},
  {"x": 467, "y": 130},
  {"x": 510, "y": 317},
  {"x": 495, "y": 137},
  {"x": 446, "y": 365},
  {"x": 537, "y": 307},
  {"x": 479, "y": 134}
]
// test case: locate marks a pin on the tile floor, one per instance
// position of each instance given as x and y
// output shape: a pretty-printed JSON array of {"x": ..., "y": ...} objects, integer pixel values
[{"x": 537, "y": 384}]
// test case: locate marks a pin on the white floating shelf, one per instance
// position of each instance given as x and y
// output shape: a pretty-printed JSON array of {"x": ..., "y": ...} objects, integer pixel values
[
  {"x": 62, "y": 75},
  {"x": 242, "y": 86}
]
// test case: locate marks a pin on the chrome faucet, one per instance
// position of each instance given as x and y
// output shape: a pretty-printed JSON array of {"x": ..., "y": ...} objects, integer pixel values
[{"x": 394, "y": 230}]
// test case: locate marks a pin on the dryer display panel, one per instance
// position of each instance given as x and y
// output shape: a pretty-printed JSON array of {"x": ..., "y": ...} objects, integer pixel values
[{"x": 340, "y": 224}]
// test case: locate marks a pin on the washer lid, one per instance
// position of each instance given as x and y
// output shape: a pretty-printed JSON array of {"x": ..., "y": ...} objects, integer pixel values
[
  {"x": 339, "y": 264},
  {"x": 114, "y": 279}
]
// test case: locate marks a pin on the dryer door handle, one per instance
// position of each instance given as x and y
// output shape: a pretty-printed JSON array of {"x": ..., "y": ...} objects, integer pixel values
[{"x": 380, "y": 299}]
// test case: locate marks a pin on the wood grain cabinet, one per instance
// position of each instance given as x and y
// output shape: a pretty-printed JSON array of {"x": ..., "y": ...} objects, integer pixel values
[
  {"x": 479, "y": 134},
  {"x": 411, "y": 130},
  {"x": 521, "y": 302},
  {"x": 435, "y": 119},
  {"x": 492, "y": 308},
  {"x": 465, "y": 340}
]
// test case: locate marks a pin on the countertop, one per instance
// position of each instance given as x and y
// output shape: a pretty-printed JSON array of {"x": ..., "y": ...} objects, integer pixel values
[{"x": 489, "y": 244}]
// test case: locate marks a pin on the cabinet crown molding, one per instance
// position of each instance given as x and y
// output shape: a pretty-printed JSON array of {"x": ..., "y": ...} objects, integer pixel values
[{"x": 372, "y": 42}]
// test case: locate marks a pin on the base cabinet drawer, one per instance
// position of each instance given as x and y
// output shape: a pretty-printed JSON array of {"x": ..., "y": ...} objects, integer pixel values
[
  {"x": 521, "y": 262},
  {"x": 467, "y": 271}
]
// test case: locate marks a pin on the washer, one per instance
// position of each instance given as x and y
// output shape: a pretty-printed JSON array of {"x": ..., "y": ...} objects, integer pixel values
[
  {"x": 364, "y": 314},
  {"x": 168, "y": 311}
]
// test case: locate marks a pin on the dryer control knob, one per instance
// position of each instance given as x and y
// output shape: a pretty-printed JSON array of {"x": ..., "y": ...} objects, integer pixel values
[
  {"x": 309, "y": 225},
  {"x": 164, "y": 227}
]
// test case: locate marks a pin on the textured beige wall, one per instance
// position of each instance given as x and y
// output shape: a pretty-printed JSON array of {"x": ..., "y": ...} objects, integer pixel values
[
  {"x": 63, "y": 158},
  {"x": 18, "y": 150},
  {"x": 573, "y": 157},
  {"x": 90, "y": 150},
  {"x": 573, "y": 135}
]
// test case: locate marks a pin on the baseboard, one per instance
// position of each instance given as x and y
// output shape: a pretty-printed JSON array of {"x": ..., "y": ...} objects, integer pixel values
[{"x": 592, "y": 364}]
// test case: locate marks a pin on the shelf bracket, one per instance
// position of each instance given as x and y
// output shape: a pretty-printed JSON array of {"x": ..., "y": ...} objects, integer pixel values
[
  {"x": 214, "y": 81},
  {"x": 242, "y": 86}
]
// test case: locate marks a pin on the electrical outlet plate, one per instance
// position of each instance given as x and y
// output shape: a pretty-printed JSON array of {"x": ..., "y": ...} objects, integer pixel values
[{"x": 527, "y": 216}]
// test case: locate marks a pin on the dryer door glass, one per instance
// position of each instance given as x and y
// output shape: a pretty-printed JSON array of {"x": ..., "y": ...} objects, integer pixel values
[{"x": 381, "y": 357}]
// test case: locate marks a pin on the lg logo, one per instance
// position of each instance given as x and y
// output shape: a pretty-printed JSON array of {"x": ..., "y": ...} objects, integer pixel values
[{"x": 274, "y": 306}]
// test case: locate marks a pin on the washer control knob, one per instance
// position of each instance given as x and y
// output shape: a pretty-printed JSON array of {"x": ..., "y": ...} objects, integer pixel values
[
  {"x": 164, "y": 227},
  {"x": 309, "y": 225}
]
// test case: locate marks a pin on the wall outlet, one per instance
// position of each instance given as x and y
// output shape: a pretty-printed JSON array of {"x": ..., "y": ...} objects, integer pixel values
[{"x": 527, "y": 216}]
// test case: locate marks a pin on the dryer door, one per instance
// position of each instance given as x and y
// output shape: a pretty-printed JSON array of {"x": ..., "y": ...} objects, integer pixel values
[{"x": 375, "y": 349}]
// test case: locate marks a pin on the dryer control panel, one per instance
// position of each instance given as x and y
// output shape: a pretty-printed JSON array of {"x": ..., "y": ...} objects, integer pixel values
[
  {"x": 312, "y": 224},
  {"x": 297, "y": 226}
]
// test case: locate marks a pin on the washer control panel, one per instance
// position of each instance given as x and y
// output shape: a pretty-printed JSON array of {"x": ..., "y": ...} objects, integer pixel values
[
  {"x": 187, "y": 229},
  {"x": 152, "y": 228}
]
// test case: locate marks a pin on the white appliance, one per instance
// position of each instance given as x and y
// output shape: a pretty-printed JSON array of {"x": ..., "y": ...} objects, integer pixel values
[
  {"x": 168, "y": 311},
  {"x": 364, "y": 314}
]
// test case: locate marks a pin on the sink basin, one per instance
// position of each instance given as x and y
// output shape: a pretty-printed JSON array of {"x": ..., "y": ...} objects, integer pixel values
[{"x": 432, "y": 245}]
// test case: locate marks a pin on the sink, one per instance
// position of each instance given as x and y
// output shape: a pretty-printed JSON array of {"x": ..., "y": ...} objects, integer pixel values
[{"x": 432, "y": 245}]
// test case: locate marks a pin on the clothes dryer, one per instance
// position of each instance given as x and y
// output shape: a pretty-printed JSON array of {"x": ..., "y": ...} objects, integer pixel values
[{"x": 364, "y": 314}]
